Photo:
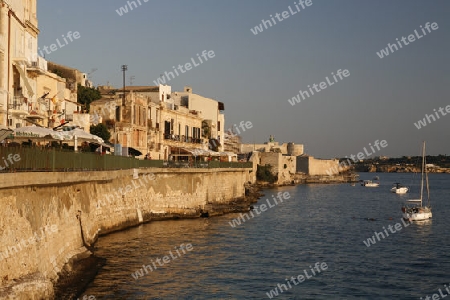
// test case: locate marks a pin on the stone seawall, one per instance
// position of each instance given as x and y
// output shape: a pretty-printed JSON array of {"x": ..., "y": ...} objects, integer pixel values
[{"x": 47, "y": 219}]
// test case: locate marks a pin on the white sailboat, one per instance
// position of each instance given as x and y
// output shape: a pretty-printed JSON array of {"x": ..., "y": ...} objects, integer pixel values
[{"x": 417, "y": 211}]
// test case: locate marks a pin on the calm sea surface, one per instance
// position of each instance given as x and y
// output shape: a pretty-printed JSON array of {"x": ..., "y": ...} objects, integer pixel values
[{"x": 319, "y": 223}]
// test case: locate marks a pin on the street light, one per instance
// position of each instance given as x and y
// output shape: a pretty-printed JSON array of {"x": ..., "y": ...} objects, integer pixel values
[{"x": 124, "y": 69}]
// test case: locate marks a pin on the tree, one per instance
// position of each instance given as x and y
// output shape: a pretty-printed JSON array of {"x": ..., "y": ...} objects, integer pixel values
[
  {"x": 101, "y": 130},
  {"x": 58, "y": 72},
  {"x": 264, "y": 173},
  {"x": 86, "y": 95},
  {"x": 206, "y": 129}
]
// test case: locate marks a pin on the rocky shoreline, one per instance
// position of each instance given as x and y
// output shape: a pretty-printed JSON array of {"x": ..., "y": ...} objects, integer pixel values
[{"x": 398, "y": 169}]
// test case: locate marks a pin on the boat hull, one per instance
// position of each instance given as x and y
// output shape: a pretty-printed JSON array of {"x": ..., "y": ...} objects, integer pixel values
[
  {"x": 402, "y": 190},
  {"x": 417, "y": 214},
  {"x": 372, "y": 185}
]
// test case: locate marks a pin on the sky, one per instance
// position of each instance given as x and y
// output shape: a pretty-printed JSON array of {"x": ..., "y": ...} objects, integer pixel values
[{"x": 255, "y": 75}]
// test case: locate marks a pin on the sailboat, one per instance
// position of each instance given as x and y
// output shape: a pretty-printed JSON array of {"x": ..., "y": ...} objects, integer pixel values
[{"x": 417, "y": 211}]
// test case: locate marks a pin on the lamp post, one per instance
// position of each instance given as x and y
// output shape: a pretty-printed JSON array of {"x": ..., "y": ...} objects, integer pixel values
[{"x": 124, "y": 69}]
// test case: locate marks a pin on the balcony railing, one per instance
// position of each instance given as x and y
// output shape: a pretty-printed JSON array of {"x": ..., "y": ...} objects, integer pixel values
[
  {"x": 182, "y": 138},
  {"x": 17, "y": 103}
]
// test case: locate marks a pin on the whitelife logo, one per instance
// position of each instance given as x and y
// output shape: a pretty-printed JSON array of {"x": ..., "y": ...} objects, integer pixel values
[
  {"x": 280, "y": 196},
  {"x": 266, "y": 24},
  {"x": 411, "y": 38},
  {"x": 165, "y": 260},
  {"x": 319, "y": 87},
  {"x": 187, "y": 67},
  {"x": 54, "y": 47},
  {"x": 423, "y": 122},
  {"x": 300, "y": 278},
  {"x": 131, "y": 4},
  {"x": 343, "y": 165},
  {"x": 397, "y": 226}
]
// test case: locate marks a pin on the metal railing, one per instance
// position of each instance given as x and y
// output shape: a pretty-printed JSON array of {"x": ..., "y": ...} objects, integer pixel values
[
  {"x": 182, "y": 138},
  {"x": 207, "y": 164},
  {"x": 17, "y": 103},
  {"x": 34, "y": 159}
]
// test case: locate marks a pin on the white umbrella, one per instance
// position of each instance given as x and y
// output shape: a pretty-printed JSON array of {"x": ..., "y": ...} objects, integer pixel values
[
  {"x": 79, "y": 134},
  {"x": 34, "y": 132}
]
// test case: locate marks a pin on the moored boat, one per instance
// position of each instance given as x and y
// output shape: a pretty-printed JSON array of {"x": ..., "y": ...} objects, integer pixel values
[
  {"x": 370, "y": 183},
  {"x": 399, "y": 189},
  {"x": 417, "y": 211}
]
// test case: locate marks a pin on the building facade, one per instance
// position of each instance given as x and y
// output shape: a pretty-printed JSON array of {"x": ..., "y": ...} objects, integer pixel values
[
  {"x": 172, "y": 129},
  {"x": 213, "y": 124},
  {"x": 29, "y": 92}
]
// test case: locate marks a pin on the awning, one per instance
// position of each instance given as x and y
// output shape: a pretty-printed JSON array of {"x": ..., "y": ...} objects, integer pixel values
[
  {"x": 199, "y": 152},
  {"x": 133, "y": 152},
  {"x": 34, "y": 132},
  {"x": 25, "y": 79},
  {"x": 4, "y": 133}
]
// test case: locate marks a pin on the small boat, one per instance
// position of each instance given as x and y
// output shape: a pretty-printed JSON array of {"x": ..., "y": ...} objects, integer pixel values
[
  {"x": 418, "y": 212},
  {"x": 399, "y": 189},
  {"x": 370, "y": 183}
]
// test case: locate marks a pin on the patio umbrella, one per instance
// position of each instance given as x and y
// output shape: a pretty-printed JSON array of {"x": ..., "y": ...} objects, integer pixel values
[
  {"x": 79, "y": 134},
  {"x": 34, "y": 132}
]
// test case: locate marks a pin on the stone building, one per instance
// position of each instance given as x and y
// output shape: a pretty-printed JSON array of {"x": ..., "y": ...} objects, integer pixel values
[
  {"x": 232, "y": 142},
  {"x": 212, "y": 117},
  {"x": 283, "y": 166},
  {"x": 285, "y": 148},
  {"x": 18, "y": 48},
  {"x": 316, "y": 166},
  {"x": 127, "y": 120},
  {"x": 29, "y": 92},
  {"x": 171, "y": 129}
]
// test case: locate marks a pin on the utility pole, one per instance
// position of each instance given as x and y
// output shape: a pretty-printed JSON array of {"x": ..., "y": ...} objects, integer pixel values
[{"x": 124, "y": 69}]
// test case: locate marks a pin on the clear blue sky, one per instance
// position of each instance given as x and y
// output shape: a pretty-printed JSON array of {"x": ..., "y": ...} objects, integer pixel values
[{"x": 255, "y": 75}]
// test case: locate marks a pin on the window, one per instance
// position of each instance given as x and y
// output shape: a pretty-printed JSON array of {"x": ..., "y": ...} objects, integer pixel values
[
  {"x": 118, "y": 113},
  {"x": 218, "y": 125},
  {"x": 166, "y": 127}
]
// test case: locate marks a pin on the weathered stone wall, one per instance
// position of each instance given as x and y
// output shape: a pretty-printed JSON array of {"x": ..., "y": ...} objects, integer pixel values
[
  {"x": 286, "y": 169},
  {"x": 48, "y": 218},
  {"x": 278, "y": 162},
  {"x": 315, "y": 166}
]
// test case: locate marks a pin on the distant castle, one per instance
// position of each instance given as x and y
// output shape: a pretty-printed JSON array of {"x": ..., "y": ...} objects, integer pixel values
[{"x": 289, "y": 159}]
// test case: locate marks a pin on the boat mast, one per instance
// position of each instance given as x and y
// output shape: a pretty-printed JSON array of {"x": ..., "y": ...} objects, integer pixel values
[
  {"x": 426, "y": 177},
  {"x": 423, "y": 167}
]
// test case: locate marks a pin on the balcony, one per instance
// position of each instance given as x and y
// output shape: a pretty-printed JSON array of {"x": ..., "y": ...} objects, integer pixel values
[
  {"x": 17, "y": 103},
  {"x": 17, "y": 106},
  {"x": 38, "y": 66},
  {"x": 182, "y": 139}
]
